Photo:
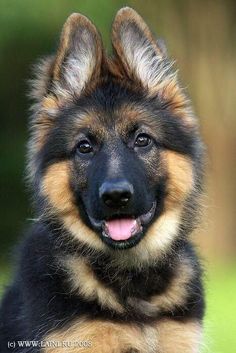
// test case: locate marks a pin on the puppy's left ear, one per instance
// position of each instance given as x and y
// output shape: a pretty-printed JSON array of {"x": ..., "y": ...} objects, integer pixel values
[{"x": 143, "y": 58}]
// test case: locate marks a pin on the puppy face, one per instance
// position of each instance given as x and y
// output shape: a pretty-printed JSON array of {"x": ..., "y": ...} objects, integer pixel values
[{"x": 114, "y": 149}]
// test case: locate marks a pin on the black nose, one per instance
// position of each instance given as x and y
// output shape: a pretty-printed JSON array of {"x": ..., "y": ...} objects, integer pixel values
[{"x": 116, "y": 193}]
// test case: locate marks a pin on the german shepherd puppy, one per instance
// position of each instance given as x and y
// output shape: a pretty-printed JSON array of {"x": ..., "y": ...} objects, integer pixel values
[{"x": 115, "y": 161}]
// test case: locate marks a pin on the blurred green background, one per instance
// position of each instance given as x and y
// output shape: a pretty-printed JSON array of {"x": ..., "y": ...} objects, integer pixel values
[{"x": 201, "y": 36}]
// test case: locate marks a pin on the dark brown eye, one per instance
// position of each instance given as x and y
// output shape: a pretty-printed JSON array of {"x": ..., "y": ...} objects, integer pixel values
[
  {"x": 142, "y": 140},
  {"x": 84, "y": 147}
]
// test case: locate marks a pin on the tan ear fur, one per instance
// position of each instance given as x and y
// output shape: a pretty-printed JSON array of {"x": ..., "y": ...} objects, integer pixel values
[
  {"x": 79, "y": 56},
  {"x": 142, "y": 57}
]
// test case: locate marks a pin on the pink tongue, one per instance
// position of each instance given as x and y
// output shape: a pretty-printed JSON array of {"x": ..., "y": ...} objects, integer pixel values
[{"x": 121, "y": 229}]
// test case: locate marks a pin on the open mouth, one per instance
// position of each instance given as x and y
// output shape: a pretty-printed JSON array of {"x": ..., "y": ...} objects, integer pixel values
[{"x": 123, "y": 232}]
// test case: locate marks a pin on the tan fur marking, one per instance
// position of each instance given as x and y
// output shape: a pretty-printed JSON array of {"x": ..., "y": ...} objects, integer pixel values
[
  {"x": 81, "y": 232},
  {"x": 42, "y": 126},
  {"x": 160, "y": 234},
  {"x": 179, "y": 337},
  {"x": 177, "y": 292},
  {"x": 93, "y": 122},
  {"x": 105, "y": 337},
  {"x": 50, "y": 102},
  {"x": 181, "y": 178},
  {"x": 56, "y": 187},
  {"x": 174, "y": 296},
  {"x": 129, "y": 115},
  {"x": 166, "y": 336},
  {"x": 84, "y": 281},
  {"x": 44, "y": 122},
  {"x": 171, "y": 92}
]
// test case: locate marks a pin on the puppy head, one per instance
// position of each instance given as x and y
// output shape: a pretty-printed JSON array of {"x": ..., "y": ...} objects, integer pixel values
[{"x": 114, "y": 150}]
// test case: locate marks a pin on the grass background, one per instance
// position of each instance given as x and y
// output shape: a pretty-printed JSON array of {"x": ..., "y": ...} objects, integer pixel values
[{"x": 220, "y": 321}]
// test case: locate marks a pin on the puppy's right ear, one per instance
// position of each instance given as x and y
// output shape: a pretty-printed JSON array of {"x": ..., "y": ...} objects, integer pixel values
[
  {"x": 77, "y": 62},
  {"x": 79, "y": 56}
]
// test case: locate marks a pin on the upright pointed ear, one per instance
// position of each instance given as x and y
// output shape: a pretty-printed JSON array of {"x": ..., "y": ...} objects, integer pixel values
[
  {"x": 79, "y": 56},
  {"x": 143, "y": 58}
]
